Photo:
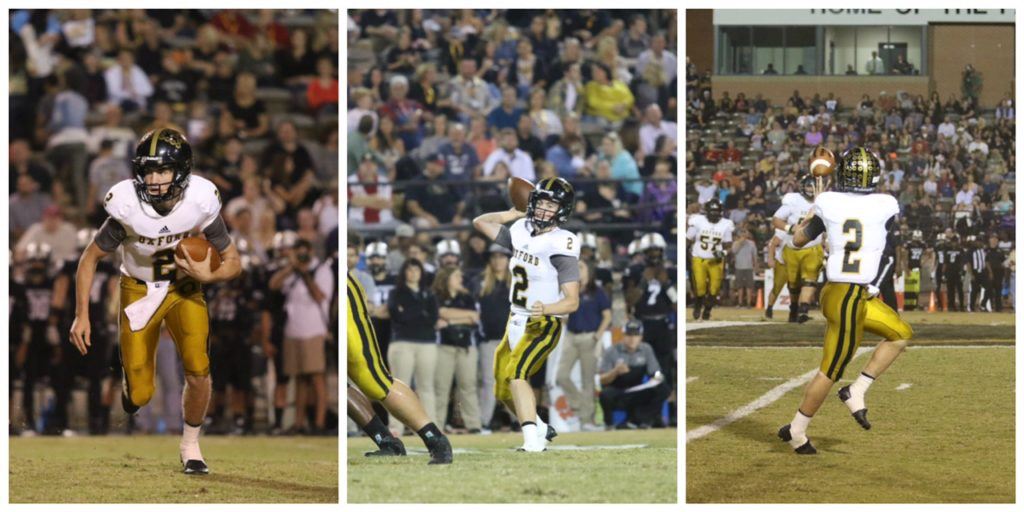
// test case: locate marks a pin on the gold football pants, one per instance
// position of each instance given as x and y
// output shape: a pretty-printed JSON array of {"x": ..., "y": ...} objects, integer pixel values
[
  {"x": 366, "y": 367},
  {"x": 802, "y": 265},
  {"x": 184, "y": 313},
  {"x": 707, "y": 275},
  {"x": 849, "y": 312},
  {"x": 527, "y": 343}
]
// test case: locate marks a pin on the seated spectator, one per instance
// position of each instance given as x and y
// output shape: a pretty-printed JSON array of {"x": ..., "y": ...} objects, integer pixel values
[
  {"x": 623, "y": 166},
  {"x": 406, "y": 114},
  {"x": 122, "y": 138},
  {"x": 127, "y": 84},
  {"x": 568, "y": 93},
  {"x": 545, "y": 124},
  {"x": 623, "y": 370},
  {"x": 105, "y": 171},
  {"x": 607, "y": 99},
  {"x": 296, "y": 65},
  {"x": 469, "y": 94},
  {"x": 369, "y": 196},
  {"x": 653, "y": 127},
  {"x": 507, "y": 114},
  {"x": 658, "y": 55},
  {"x": 567, "y": 155},
  {"x": 516, "y": 160},
  {"x": 430, "y": 201},
  {"x": 52, "y": 230},
  {"x": 322, "y": 93},
  {"x": 248, "y": 111},
  {"x": 461, "y": 161}
]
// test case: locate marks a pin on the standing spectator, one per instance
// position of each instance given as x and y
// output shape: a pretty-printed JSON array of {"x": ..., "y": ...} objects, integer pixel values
[
  {"x": 369, "y": 197},
  {"x": 412, "y": 353},
  {"x": 745, "y": 261},
  {"x": 457, "y": 354},
  {"x": 307, "y": 285},
  {"x": 586, "y": 326},
  {"x": 492, "y": 295},
  {"x": 657, "y": 55},
  {"x": 623, "y": 368},
  {"x": 248, "y": 111},
  {"x": 875, "y": 65}
]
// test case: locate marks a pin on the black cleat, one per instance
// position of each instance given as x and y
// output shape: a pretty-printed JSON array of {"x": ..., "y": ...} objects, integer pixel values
[
  {"x": 440, "y": 451},
  {"x": 196, "y": 467},
  {"x": 768, "y": 313},
  {"x": 862, "y": 415},
  {"x": 804, "y": 449},
  {"x": 706, "y": 315},
  {"x": 389, "y": 447},
  {"x": 803, "y": 318},
  {"x": 696, "y": 312},
  {"x": 792, "y": 317},
  {"x": 127, "y": 405},
  {"x": 552, "y": 433}
]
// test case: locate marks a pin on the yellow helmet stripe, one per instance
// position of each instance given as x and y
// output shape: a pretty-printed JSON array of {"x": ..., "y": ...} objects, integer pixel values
[
  {"x": 864, "y": 167},
  {"x": 153, "y": 141},
  {"x": 551, "y": 183}
]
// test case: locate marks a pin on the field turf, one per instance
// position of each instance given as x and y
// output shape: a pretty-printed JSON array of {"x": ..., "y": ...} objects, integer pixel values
[
  {"x": 635, "y": 466},
  {"x": 942, "y": 416},
  {"x": 145, "y": 469}
]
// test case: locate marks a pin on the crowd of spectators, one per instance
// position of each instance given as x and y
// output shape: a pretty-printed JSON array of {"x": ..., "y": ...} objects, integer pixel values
[
  {"x": 255, "y": 92},
  {"x": 950, "y": 162},
  {"x": 444, "y": 107}
]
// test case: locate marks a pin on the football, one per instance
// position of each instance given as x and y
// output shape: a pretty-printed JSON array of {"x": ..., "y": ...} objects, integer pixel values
[
  {"x": 196, "y": 248},
  {"x": 519, "y": 192},
  {"x": 823, "y": 162}
]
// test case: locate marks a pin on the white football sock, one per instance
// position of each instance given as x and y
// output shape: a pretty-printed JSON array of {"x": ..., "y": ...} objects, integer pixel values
[
  {"x": 189, "y": 446},
  {"x": 799, "y": 424},
  {"x": 529, "y": 435},
  {"x": 857, "y": 391},
  {"x": 542, "y": 430}
]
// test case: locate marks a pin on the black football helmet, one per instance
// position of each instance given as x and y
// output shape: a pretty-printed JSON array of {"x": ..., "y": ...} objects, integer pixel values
[
  {"x": 552, "y": 189},
  {"x": 160, "y": 150},
  {"x": 858, "y": 171},
  {"x": 713, "y": 210}
]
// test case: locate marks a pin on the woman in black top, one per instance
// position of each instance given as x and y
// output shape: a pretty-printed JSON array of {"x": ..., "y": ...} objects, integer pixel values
[
  {"x": 296, "y": 65},
  {"x": 457, "y": 355},
  {"x": 248, "y": 111},
  {"x": 492, "y": 292},
  {"x": 412, "y": 352}
]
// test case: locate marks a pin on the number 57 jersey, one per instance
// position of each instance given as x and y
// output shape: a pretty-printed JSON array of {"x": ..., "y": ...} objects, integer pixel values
[
  {"x": 856, "y": 229},
  {"x": 147, "y": 252},
  {"x": 534, "y": 275},
  {"x": 709, "y": 237}
]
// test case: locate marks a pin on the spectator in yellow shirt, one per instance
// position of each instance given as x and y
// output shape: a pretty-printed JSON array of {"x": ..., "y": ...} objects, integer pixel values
[{"x": 607, "y": 98}]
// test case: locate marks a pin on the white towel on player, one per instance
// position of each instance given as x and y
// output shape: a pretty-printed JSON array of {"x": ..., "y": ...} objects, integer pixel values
[{"x": 141, "y": 311}]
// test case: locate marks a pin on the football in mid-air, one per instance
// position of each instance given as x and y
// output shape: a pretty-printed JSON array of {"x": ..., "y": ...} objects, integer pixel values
[
  {"x": 197, "y": 248},
  {"x": 519, "y": 192},
  {"x": 823, "y": 161}
]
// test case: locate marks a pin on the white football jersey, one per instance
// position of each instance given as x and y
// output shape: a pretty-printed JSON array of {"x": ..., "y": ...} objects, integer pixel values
[
  {"x": 709, "y": 237},
  {"x": 534, "y": 278},
  {"x": 147, "y": 253},
  {"x": 856, "y": 233},
  {"x": 795, "y": 208}
]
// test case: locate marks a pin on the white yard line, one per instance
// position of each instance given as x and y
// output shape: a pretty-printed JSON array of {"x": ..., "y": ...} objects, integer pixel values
[
  {"x": 690, "y": 379},
  {"x": 696, "y": 326},
  {"x": 905, "y": 385},
  {"x": 779, "y": 391}
]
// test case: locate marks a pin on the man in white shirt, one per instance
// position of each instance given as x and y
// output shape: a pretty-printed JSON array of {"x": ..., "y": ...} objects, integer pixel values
[
  {"x": 965, "y": 195},
  {"x": 654, "y": 127},
  {"x": 307, "y": 285},
  {"x": 660, "y": 56},
  {"x": 518, "y": 161},
  {"x": 127, "y": 84},
  {"x": 705, "y": 190},
  {"x": 947, "y": 129},
  {"x": 470, "y": 94},
  {"x": 875, "y": 66}
]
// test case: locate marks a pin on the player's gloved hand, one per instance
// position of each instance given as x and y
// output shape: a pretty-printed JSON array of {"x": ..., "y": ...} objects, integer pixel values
[
  {"x": 873, "y": 291},
  {"x": 719, "y": 255}
]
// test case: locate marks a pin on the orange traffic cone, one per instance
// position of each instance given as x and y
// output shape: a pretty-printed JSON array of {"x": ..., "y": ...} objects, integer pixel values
[
  {"x": 931, "y": 302},
  {"x": 760, "y": 298}
]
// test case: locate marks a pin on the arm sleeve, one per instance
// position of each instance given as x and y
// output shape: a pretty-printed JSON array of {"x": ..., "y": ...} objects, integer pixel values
[
  {"x": 110, "y": 235},
  {"x": 504, "y": 238},
  {"x": 606, "y": 361},
  {"x": 814, "y": 228},
  {"x": 568, "y": 268},
  {"x": 782, "y": 213},
  {"x": 217, "y": 234},
  {"x": 888, "y": 254}
]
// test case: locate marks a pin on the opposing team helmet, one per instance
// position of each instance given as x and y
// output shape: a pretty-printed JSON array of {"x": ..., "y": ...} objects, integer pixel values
[
  {"x": 631, "y": 250},
  {"x": 162, "y": 149},
  {"x": 652, "y": 241},
  {"x": 448, "y": 248},
  {"x": 376, "y": 249},
  {"x": 858, "y": 171},
  {"x": 588, "y": 240},
  {"x": 713, "y": 210},
  {"x": 916, "y": 235},
  {"x": 553, "y": 189}
]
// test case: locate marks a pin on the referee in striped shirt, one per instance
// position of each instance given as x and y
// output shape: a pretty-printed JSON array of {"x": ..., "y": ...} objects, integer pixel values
[{"x": 978, "y": 272}]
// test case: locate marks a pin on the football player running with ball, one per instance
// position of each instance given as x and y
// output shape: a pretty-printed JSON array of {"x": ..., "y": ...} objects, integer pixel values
[
  {"x": 709, "y": 235},
  {"x": 149, "y": 214},
  {"x": 545, "y": 290},
  {"x": 858, "y": 225}
]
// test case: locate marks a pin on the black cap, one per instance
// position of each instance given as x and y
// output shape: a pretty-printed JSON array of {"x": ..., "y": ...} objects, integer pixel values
[{"x": 634, "y": 328}]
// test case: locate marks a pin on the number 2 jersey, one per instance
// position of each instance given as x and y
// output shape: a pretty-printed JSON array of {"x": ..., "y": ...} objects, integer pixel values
[
  {"x": 147, "y": 239},
  {"x": 536, "y": 263},
  {"x": 856, "y": 229},
  {"x": 709, "y": 237}
]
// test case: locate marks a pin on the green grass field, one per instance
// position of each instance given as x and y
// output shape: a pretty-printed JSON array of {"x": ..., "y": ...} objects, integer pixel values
[
  {"x": 942, "y": 416},
  {"x": 636, "y": 466},
  {"x": 145, "y": 469}
]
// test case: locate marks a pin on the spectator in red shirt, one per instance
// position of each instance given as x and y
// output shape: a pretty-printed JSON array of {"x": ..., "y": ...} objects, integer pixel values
[{"x": 322, "y": 93}]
